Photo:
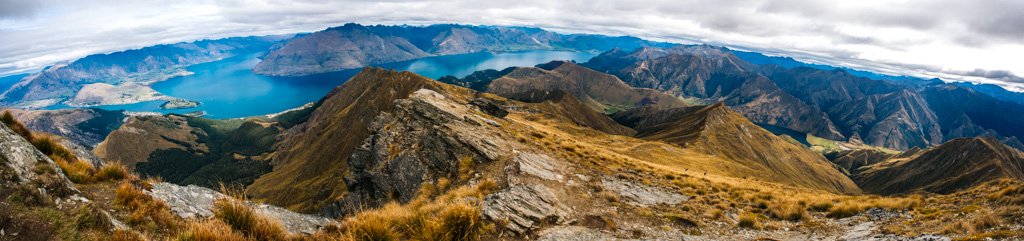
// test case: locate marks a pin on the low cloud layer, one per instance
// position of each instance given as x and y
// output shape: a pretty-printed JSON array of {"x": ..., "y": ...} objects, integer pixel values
[{"x": 975, "y": 41}]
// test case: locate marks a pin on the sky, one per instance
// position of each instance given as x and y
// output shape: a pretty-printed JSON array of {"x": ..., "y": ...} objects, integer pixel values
[{"x": 979, "y": 41}]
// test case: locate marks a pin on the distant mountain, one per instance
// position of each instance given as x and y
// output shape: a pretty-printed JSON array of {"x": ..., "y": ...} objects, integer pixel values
[
  {"x": 955, "y": 165},
  {"x": 602, "y": 92},
  {"x": 996, "y": 91},
  {"x": 826, "y": 102},
  {"x": 876, "y": 112},
  {"x": 715, "y": 74},
  {"x": 127, "y": 71},
  {"x": 964, "y": 112},
  {"x": 353, "y": 45},
  {"x": 719, "y": 131}
]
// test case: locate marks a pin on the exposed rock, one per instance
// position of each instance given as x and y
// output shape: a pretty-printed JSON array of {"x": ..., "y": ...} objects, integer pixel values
[
  {"x": 194, "y": 202},
  {"x": 539, "y": 165},
  {"x": 522, "y": 208},
  {"x": 436, "y": 137},
  {"x": 573, "y": 233},
  {"x": 642, "y": 195}
]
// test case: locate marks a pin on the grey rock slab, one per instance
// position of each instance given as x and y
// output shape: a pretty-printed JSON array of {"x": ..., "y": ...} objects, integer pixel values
[
  {"x": 522, "y": 208},
  {"x": 641, "y": 194},
  {"x": 194, "y": 202}
]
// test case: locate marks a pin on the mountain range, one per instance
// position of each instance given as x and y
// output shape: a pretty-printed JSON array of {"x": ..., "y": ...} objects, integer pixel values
[{"x": 645, "y": 141}]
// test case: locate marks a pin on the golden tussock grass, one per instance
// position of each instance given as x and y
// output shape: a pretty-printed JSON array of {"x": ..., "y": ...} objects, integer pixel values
[
  {"x": 749, "y": 220},
  {"x": 241, "y": 217},
  {"x": 210, "y": 230},
  {"x": 450, "y": 216},
  {"x": 144, "y": 211},
  {"x": 8, "y": 119}
]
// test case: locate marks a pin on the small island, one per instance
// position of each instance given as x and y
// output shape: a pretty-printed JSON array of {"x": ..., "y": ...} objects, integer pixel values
[{"x": 179, "y": 104}]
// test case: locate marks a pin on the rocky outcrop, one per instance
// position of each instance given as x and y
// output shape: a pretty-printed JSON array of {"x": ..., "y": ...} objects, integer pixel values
[
  {"x": 524, "y": 208},
  {"x": 640, "y": 194},
  {"x": 194, "y": 202},
  {"x": 441, "y": 137},
  {"x": 36, "y": 192},
  {"x": 311, "y": 159}
]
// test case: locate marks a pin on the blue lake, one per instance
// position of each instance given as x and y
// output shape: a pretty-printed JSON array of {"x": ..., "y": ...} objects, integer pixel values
[{"x": 229, "y": 89}]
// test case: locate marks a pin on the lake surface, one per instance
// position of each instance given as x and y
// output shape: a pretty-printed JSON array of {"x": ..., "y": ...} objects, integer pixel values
[{"x": 229, "y": 89}]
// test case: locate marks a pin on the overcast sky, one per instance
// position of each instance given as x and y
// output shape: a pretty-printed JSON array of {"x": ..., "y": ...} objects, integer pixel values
[{"x": 979, "y": 40}]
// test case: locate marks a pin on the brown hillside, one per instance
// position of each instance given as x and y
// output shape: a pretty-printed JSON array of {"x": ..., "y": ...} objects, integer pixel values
[
  {"x": 600, "y": 91},
  {"x": 560, "y": 104},
  {"x": 718, "y": 131},
  {"x": 310, "y": 163},
  {"x": 955, "y": 165}
]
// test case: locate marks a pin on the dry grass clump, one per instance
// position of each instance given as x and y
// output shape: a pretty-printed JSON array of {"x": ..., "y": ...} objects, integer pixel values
[
  {"x": 845, "y": 209},
  {"x": 789, "y": 211},
  {"x": 112, "y": 171},
  {"x": 452, "y": 216},
  {"x": 210, "y": 230},
  {"x": 241, "y": 217},
  {"x": 749, "y": 220},
  {"x": 144, "y": 211},
  {"x": 856, "y": 205},
  {"x": 8, "y": 119}
]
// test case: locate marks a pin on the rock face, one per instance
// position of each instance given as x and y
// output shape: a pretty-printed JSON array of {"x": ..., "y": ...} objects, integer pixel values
[
  {"x": 955, "y": 165},
  {"x": 61, "y": 82},
  {"x": 36, "y": 192},
  {"x": 440, "y": 136},
  {"x": 719, "y": 131},
  {"x": 715, "y": 74},
  {"x": 85, "y": 127},
  {"x": 354, "y": 46},
  {"x": 194, "y": 202}
]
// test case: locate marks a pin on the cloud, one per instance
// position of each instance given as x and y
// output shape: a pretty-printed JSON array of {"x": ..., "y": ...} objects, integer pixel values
[
  {"x": 18, "y": 8},
  {"x": 947, "y": 38}
]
